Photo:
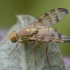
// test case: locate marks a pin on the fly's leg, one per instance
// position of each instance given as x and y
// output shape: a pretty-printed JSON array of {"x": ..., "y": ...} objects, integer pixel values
[
  {"x": 47, "y": 55},
  {"x": 46, "y": 51},
  {"x": 23, "y": 42},
  {"x": 13, "y": 49},
  {"x": 36, "y": 42},
  {"x": 35, "y": 51}
]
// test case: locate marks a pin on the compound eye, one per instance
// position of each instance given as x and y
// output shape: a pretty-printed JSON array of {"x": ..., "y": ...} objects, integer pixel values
[{"x": 14, "y": 39}]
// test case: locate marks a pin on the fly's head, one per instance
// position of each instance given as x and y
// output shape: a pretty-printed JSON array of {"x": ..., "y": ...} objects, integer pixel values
[{"x": 13, "y": 37}]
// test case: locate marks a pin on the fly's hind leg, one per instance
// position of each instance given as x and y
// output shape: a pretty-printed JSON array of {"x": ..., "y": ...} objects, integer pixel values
[
  {"x": 35, "y": 51},
  {"x": 46, "y": 51}
]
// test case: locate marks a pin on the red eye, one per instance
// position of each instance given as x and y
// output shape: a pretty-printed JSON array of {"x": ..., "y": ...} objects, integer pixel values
[{"x": 14, "y": 39}]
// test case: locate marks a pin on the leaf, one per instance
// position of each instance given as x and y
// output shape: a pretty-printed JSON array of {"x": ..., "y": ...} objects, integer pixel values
[{"x": 23, "y": 57}]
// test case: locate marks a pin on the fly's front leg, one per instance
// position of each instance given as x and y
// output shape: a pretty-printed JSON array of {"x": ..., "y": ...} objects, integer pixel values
[
  {"x": 23, "y": 42},
  {"x": 46, "y": 51},
  {"x": 13, "y": 49}
]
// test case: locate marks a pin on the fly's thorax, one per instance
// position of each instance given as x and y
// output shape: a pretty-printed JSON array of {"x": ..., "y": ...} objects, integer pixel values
[
  {"x": 13, "y": 37},
  {"x": 25, "y": 33},
  {"x": 31, "y": 30}
]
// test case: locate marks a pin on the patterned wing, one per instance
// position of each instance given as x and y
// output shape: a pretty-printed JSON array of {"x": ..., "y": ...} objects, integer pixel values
[
  {"x": 50, "y": 18},
  {"x": 49, "y": 35}
]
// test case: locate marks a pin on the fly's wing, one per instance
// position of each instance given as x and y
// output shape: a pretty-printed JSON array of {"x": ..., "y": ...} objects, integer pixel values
[
  {"x": 50, "y": 18},
  {"x": 60, "y": 38},
  {"x": 50, "y": 35}
]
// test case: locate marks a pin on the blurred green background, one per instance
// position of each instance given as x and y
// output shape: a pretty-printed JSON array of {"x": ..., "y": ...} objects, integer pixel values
[{"x": 9, "y": 8}]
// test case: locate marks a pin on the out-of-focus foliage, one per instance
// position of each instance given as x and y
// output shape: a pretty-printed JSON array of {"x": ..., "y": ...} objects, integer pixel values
[{"x": 9, "y": 8}]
